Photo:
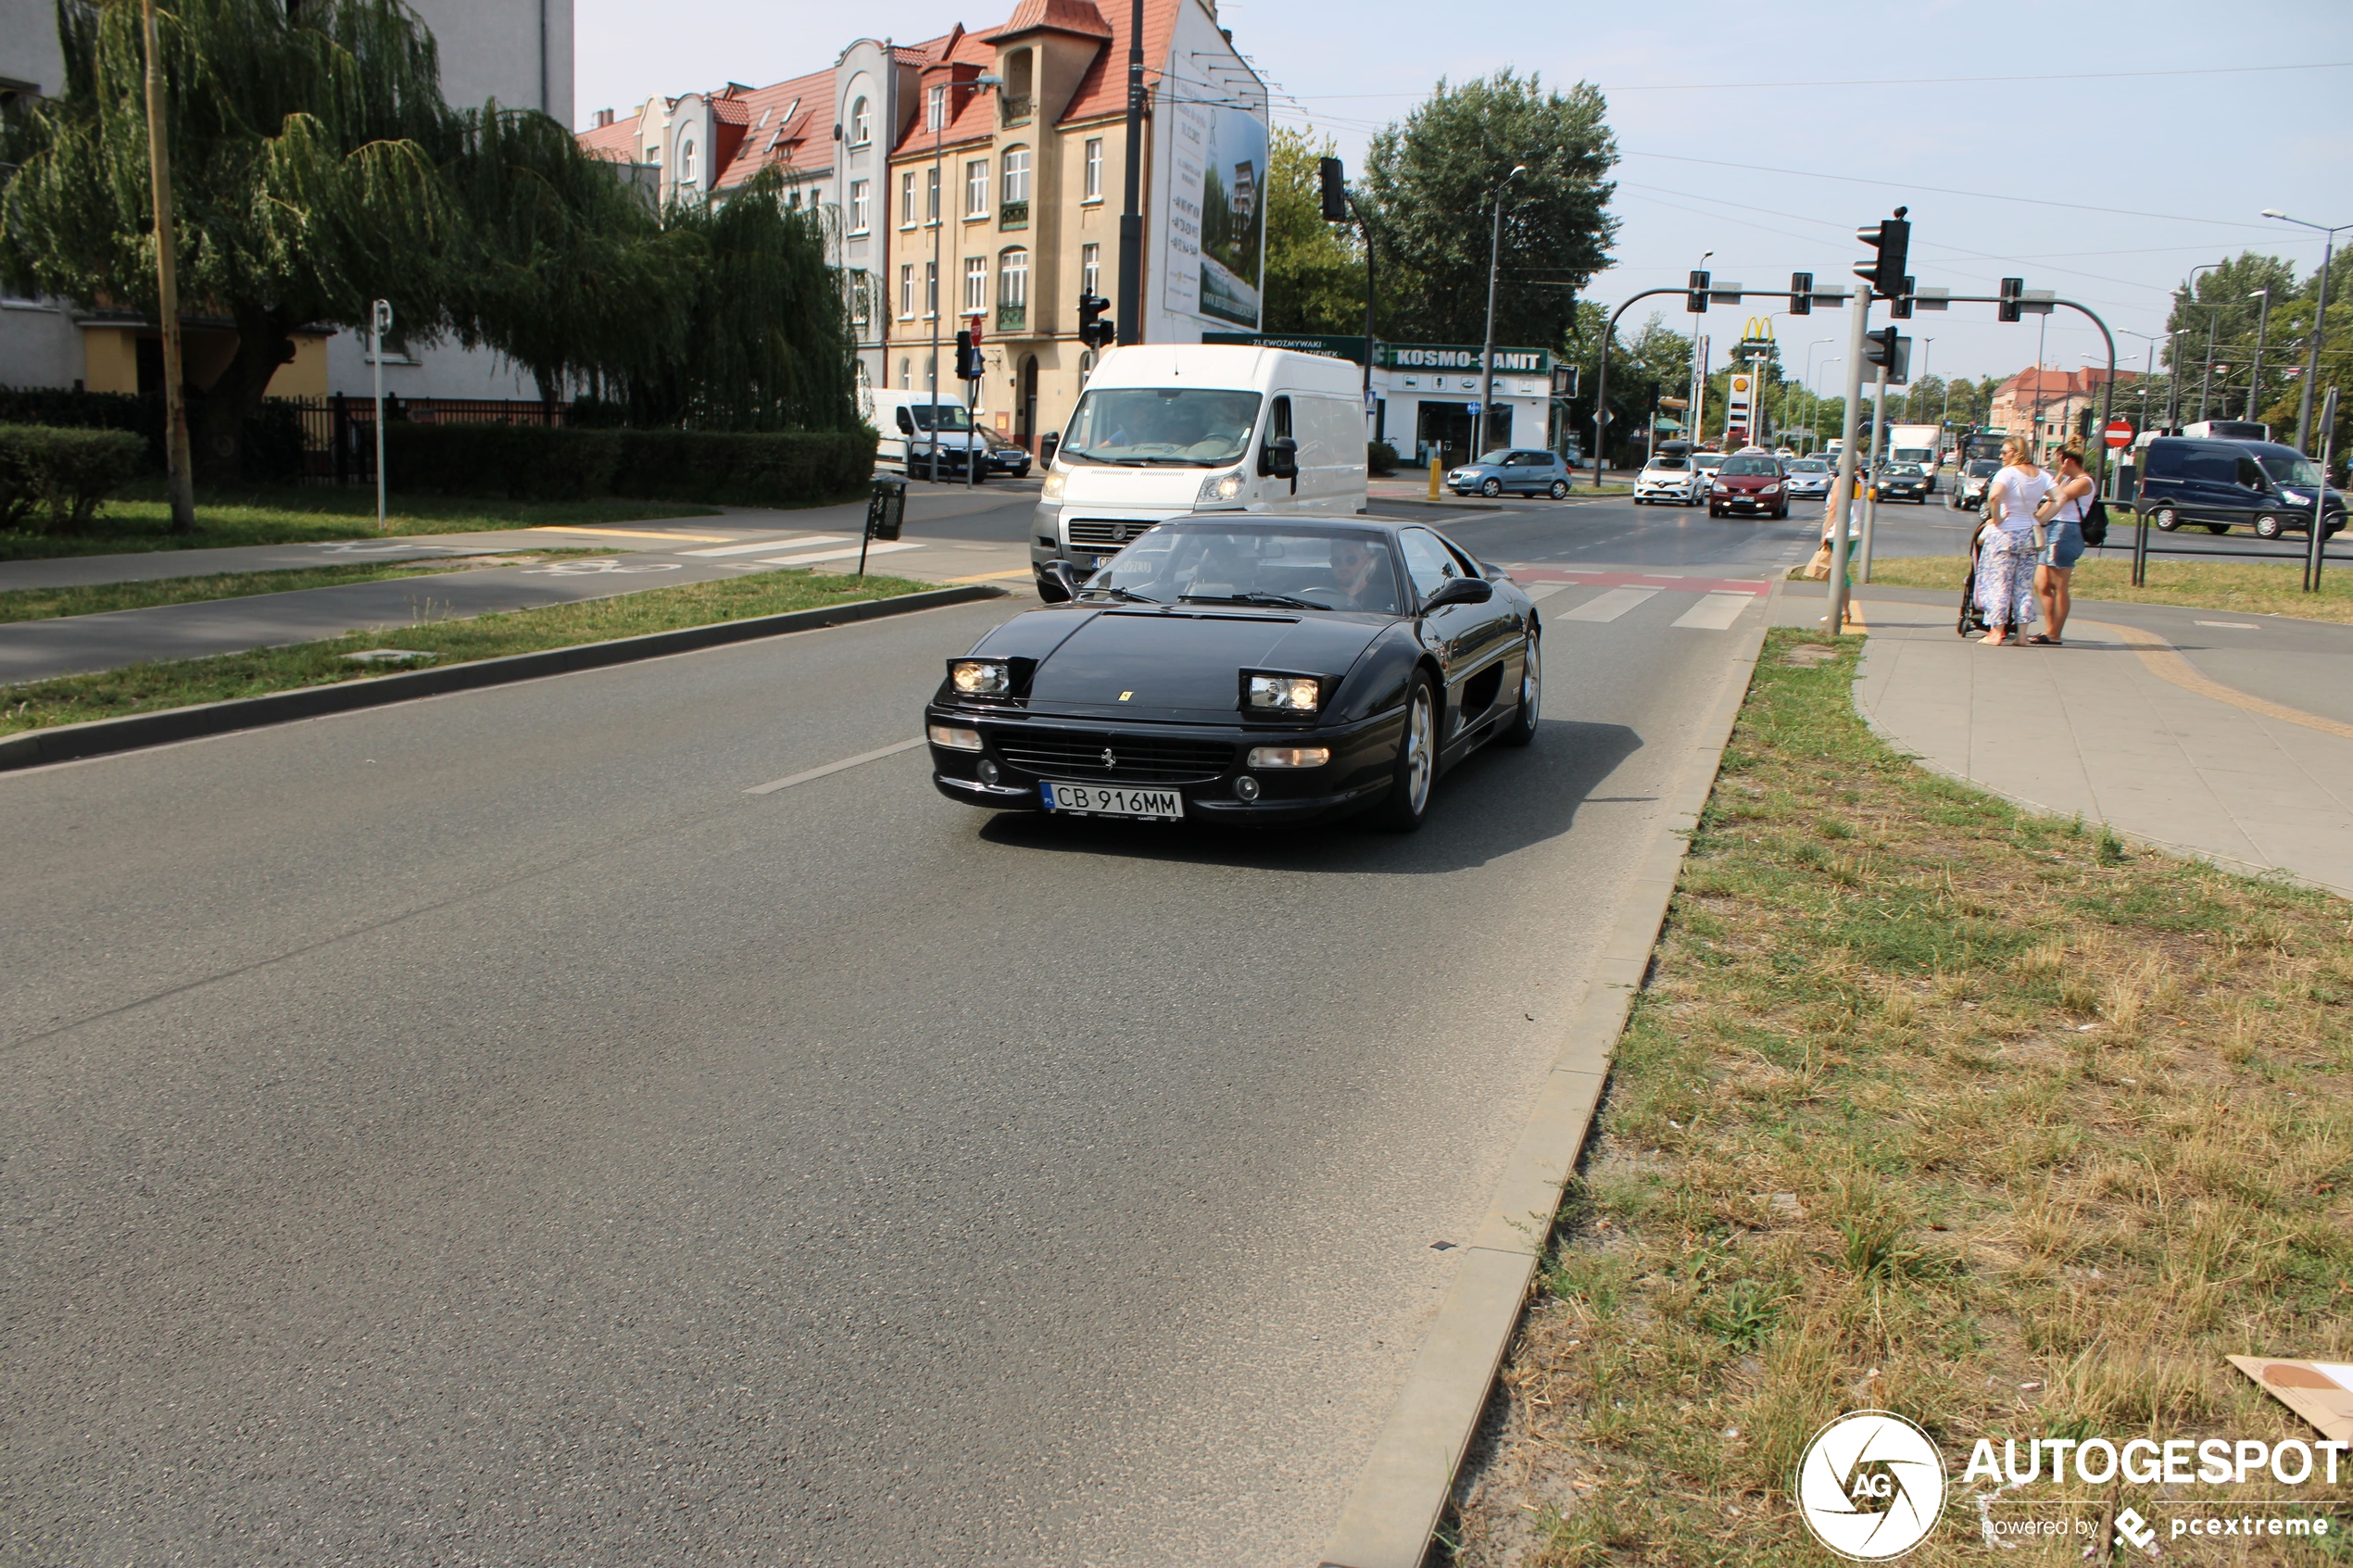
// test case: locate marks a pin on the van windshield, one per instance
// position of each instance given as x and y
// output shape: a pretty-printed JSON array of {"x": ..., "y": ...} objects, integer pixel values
[
  {"x": 2287, "y": 470},
  {"x": 1190, "y": 427},
  {"x": 952, "y": 415},
  {"x": 1912, "y": 455}
]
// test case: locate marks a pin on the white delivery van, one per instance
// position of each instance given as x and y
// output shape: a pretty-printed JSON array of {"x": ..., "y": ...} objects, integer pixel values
[
  {"x": 1169, "y": 430},
  {"x": 903, "y": 420}
]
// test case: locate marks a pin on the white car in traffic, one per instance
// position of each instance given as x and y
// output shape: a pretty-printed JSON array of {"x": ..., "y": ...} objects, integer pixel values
[{"x": 1669, "y": 479}]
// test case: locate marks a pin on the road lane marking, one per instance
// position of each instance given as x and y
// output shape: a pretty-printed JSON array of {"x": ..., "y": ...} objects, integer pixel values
[
  {"x": 1543, "y": 591},
  {"x": 834, "y": 555},
  {"x": 996, "y": 576},
  {"x": 2233, "y": 626},
  {"x": 633, "y": 534},
  {"x": 1715, "y": 612},
  {"x": 759, "y": 544},
  {"x": 842, "y": 766},
  {"x": 1610, "y": 605}
]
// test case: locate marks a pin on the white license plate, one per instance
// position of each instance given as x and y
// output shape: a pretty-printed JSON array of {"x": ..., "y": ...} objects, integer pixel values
[{"x": 1111, "y": 800}]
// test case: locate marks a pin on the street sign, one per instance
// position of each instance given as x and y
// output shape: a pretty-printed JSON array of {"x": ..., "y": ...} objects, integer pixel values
[
  {"x": 1473, "y": 407},
  {"x": 2118, "y": 435}
]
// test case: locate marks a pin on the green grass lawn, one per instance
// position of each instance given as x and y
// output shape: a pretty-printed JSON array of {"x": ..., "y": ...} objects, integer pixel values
[
  {"x": 141, "y": 519},
  {"x": 42, "y": 604},
  {"x": 2248, "y": 587},
  {"x": 144, "y": 688},
  {"x": 1934, "y": 1105}
]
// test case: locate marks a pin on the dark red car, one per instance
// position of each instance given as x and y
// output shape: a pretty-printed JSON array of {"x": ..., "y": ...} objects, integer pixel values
[{"x": 1751, "y": 482}]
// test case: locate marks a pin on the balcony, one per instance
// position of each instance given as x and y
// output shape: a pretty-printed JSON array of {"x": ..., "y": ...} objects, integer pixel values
[
  {"x": 1013, "y": 317},
  {"x": 1013, "y": 215}
]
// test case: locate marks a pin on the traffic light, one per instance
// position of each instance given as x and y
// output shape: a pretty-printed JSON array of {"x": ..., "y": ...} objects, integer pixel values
[
  {"x": 967, "y": 357},
  {"x": 2013, "y": 290},
  {"x": 1093, "y": 331},
  {"x": 1801, "y": 293},
  {"x": 1697, "y": 301},
  {"x": 1879, "y": 348},
  {"x": 1901, "y": 308},
  {"x": 1335, "y": 190},
  {"x": 1892, "y": 238}
]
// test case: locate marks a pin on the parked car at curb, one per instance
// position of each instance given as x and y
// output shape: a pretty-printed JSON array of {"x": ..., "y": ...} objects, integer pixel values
[
  {"x": 1516, "y": 471},
  {"x": 1247, "y": 669},
  {"x": 1667, "y": 479}
]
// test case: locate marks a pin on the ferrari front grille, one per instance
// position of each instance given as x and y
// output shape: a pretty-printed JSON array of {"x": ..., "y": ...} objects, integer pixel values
[{"x": 1078, "y": 756}]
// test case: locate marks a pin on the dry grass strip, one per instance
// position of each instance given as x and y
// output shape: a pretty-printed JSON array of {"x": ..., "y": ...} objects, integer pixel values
[{"x": 1934, "y": 1106}]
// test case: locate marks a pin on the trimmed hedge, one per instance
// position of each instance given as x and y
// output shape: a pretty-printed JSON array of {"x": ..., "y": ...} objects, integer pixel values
[
  {"x": 536, "y": 463},
  {"x": 272, "y": 436},
  {"x": 63, "y": 475}
]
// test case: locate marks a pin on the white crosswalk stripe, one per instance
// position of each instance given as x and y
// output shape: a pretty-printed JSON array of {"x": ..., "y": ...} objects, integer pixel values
[
  {"x": 1537, "y": 593},
  {"x": 786, "y": 542},
  {"x": 850, "y": 554},
  {"x": 1715, "y": 612},
  {"x": 1609, "y": 606}
]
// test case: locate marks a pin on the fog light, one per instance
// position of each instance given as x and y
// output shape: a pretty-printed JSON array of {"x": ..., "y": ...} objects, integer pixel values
[
  {"x": 988, "y": 771},
  {"x": 954, "y": 738},
  {"x": 1247, "y": 787},
  {"x": 1289, "y": 756}
]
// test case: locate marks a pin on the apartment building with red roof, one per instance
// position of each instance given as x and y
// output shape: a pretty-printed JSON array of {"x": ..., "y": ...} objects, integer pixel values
[{"x": 2047, "y": 406}]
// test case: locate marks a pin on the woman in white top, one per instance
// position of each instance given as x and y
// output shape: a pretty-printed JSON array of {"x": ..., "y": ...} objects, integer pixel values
[
  {"x": 2055, "y": 567},
  {"x": 2006, "y": 548}
]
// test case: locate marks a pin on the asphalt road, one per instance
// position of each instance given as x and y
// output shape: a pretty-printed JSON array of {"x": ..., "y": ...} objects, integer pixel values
[{"x": 480, "y": 1131}]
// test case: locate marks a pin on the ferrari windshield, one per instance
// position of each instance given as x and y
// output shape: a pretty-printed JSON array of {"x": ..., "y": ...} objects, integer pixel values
[
  {"x": 1140, "y": 427},
  {"x": 1284, "y": 567}
]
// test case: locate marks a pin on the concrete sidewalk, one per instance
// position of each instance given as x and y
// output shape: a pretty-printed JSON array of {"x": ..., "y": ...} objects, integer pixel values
[{"x": 2127, "y": 726}]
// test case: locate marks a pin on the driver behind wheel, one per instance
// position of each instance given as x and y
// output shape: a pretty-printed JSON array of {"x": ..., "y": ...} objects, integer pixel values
[{"x": 1357, "y": 573}]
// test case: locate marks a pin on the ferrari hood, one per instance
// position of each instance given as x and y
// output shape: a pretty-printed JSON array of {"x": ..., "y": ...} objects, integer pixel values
[{"x": 1184, "y": 661}]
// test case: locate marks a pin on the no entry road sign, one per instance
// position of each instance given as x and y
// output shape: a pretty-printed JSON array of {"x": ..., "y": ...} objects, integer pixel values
[{"x": 2118, "y": 434}]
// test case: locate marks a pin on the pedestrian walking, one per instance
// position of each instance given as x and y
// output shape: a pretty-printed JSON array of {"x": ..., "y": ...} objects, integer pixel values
[
  {"x": 2068, "y": 502},
  {"x": 2008, "y": 544}
]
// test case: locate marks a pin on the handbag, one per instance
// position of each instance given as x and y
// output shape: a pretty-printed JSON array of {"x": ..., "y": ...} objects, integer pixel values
[{"x": 2094, "y": 522}]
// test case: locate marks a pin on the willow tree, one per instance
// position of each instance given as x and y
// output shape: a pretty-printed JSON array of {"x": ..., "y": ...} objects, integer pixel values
[{"x": 307, "y": 153}]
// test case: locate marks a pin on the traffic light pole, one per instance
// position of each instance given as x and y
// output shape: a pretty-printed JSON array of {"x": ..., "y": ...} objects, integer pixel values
[
  {"x": 1842, "y": 488},
  {"x": 1131, "y": 212},
  {"x": 1870, "y": 493},
  {"x": 1609, "y": 335}
]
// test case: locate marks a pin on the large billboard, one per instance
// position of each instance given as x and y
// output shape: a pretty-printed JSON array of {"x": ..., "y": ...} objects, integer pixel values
[{"x": 1213, "y": 251}]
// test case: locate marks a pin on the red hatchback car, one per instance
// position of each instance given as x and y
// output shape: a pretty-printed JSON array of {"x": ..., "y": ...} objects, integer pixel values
[{"x": 1751, "y": 482}]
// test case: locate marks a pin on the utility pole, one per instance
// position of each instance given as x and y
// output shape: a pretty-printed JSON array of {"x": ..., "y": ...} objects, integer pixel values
[
  {"x": 179, "y": 480},
  {"x": 2262, "y": 331},
  {"x": 2319, "y": 325},
  {"x": 378, "y": 323},
  {"x": 1487, "y": 354},
  {"x": 2213, "y": 321},
  {"x": 1131, "y": 214},
  {"x": 1842, "y": 488},
  {"x": 1870, "y": 469}
]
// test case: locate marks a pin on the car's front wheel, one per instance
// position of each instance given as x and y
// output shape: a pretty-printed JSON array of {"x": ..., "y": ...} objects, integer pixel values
[
  {"x": 2267, "y": 525},
  {"x": 1560, "y": 490},
  {"x": 1416, "y": 766},
  {"x": 1491, "y": 488},
  {"x": 1531, "y": 697}
]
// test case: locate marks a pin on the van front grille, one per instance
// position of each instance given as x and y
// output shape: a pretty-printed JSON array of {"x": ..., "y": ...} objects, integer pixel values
[
  {"x": 1078, "y": 755},
  {"x": 1102, "y": 532}
]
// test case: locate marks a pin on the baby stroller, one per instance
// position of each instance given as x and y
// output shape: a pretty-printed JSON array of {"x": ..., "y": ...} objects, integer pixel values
[{"x": 1972, "y": 618}]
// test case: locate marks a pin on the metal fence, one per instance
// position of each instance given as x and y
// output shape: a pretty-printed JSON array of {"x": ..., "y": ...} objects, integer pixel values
[{"x": 339, "y": 432}]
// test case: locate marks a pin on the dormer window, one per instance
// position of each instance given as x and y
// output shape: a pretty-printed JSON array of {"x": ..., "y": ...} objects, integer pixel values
[{"x": 935, "y": 108}]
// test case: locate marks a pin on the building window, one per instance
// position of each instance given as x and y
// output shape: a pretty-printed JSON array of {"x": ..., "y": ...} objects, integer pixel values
[
  {"x": 906, "y": 294},
  {"x": 1012, "y": 291},
  {"x": 931, "y": 195},
  {"x": 931, "y": 288},
  {"x": 1094, "y": 169},
  {"x": 976, "y": 285},
  {"x": 685, "y": 161},
  {"x": 859, "y": 312},
  {"x": 1017, "y": 174},
  {"x": 906, "y": 374},
  {"x": 653, "y": 154},
  {"x": 907, "y": 200},
  {"x": 977, "y": 188},
  {"x": 935, "y": 108},
  {"x": 1090, "y": 269},
  {"x": 858, "y": 204},
  {"x": 859, "y": 134}
]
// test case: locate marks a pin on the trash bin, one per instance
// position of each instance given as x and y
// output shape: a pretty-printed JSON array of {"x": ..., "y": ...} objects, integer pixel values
[
  {"x": 1047, "y": 445},
  {"x": 886, "y": 507}
]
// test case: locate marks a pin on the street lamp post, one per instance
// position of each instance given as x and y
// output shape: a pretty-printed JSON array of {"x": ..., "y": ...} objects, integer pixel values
[
  {"x": 2262, "y": 329},
  {"x": 933, "y": 287},
  {"x": 2319, "y": 324},
  {"x": 1486, "y": 354},
  {"x": 2214, "y": 316},
  {"x": 1808, "y": 384}
]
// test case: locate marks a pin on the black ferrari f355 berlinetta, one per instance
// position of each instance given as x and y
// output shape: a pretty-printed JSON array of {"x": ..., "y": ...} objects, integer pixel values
[{"x": 1245, "y": 670}]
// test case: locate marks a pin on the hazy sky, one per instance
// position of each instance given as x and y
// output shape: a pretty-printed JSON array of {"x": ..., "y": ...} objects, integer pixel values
[{"x": 2100, "y": 150}]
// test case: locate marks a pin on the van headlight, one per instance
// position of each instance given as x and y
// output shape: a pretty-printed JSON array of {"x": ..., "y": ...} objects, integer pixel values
[
  {"x": 1220, "y": 487},
  {"x": 2296, "y": 498},
  {"x": 1055, "y": 480}
]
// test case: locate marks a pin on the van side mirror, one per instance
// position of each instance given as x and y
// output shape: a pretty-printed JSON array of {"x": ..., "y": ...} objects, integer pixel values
[
  {"x": 1282, "y": 457},
  {"x": 1461, "y": 591}
]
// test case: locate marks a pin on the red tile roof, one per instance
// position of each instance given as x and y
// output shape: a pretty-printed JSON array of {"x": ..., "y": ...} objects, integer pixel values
[
  {"x": 1063, "y": 15},
  {"x": 617, "y": 141},
  {"x": 1103, "y": 90},
  {"x": 791, "y": 125},
  {"x": 2058, "y": 383}
]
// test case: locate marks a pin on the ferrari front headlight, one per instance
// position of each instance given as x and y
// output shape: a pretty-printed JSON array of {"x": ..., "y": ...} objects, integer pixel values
[
  {"x": 980, "y": 677},
  {"x": 1282, "y": 693}
]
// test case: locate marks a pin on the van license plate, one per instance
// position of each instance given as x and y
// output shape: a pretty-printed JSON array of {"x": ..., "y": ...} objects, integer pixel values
[{"x": 1111, "y": 800}]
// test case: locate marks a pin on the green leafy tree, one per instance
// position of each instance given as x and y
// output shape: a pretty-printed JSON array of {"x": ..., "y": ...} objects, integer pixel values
[
  {"x": 305, "y": 153},
  {"x": 2224, "y": 303},
  {"x": 1315, "y": 270},
  {"x": 1432, "y": 184}
]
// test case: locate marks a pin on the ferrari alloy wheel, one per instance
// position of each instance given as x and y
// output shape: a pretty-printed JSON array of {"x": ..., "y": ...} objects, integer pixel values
[
  {"x": 1416, "y": 761},
  {"x": 2166, "y": 518},
  {"x": 1491, "y": 488},
  {"x": 1531, "y": 697},
  {"x": 1560, "y": 490}
]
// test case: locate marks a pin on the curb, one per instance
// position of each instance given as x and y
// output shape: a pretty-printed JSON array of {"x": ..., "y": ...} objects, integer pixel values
[
  {"x": 1408, "y": 1477},
  {"x": 97, "y": 737}
]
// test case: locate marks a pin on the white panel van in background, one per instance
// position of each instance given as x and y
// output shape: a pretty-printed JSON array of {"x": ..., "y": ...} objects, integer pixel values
[
  {"x": 1171, "y": 430},
  {"x": 903, "y": 420}
]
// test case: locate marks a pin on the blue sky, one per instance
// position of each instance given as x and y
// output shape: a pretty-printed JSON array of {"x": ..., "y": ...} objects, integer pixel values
[{"x": 2102, "y": 153}]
